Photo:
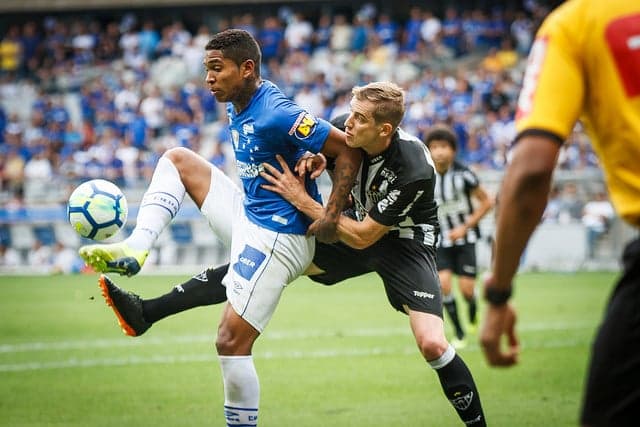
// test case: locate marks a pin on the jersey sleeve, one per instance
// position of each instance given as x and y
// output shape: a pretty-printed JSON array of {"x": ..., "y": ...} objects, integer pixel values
[
  {"x": 471, "y": 180},
  {"x": 552, "y": 92},
  {"x": 300, "y": 127},
  {"x": 395, "y": 206}
]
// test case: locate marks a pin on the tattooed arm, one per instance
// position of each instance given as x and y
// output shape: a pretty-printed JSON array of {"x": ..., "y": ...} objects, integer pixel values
[
  {"x": 347, "y": 163},
  {"x": 357, "y": 234}
]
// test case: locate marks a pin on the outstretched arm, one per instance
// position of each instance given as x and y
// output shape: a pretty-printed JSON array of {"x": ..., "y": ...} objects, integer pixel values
[
  {"x": 357, "y": 234},
  {"x": 522, "y": 200}
]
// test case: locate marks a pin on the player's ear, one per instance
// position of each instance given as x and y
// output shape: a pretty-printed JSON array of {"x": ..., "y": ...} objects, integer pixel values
[
  {"x": 386, "y": 129},
  {"x": 247, "y": 68}
]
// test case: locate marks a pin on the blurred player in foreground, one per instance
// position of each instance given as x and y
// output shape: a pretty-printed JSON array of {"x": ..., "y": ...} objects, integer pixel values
[{"x": 585, "y": 64}]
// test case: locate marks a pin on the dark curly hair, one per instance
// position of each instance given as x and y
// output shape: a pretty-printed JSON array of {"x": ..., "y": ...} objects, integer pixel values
[
  {"x": 238, "y": 46},
  {"x": 442, "y": 133}
]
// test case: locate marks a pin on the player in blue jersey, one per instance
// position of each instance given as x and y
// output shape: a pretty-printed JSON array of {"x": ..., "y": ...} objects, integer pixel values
[
  {"x": 391, "y": 229},
  {"x": 266, "y": 234}
]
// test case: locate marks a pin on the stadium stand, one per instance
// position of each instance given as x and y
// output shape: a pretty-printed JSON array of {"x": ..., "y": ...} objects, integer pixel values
[{"x": 103, "y": 94}]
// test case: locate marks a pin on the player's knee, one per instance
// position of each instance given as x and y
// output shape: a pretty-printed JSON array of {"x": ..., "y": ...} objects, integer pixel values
[
  {"x": 227, "y": 342},
  {"x": 179, "y": 156},
  {"x": 432, "y": 346}
]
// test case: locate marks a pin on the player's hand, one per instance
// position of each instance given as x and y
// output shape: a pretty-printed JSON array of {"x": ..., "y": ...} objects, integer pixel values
[
  {"x": 499, "y": 321},
  {"x": 315, "y": 164},
  {"x": 458, "y": 233},
  {"x": 289, "y": 186},
  {"x": 325, "y": 230}
]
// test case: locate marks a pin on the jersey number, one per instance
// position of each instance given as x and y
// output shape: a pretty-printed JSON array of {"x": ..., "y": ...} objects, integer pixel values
[{"x": 623, "y": 37}]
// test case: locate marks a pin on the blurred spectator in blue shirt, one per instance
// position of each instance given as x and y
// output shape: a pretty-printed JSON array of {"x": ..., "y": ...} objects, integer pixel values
[{"x": 271, "y": 38}]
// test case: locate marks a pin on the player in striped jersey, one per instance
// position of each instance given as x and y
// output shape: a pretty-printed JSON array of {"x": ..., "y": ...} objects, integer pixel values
[{"x": 458, "y": 216}]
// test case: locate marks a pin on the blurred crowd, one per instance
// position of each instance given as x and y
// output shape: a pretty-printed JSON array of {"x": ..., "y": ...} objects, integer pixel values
[{"x": 106, "y": 99}]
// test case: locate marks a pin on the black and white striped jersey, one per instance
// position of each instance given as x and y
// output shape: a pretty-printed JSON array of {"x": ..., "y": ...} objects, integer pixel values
[
  {"x": 398, "y": 190},
  {"x": 453, "y": 195}
]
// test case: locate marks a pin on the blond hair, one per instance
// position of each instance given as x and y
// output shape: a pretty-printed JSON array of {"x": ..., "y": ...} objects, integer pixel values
[{"x": 388, "y": 99}]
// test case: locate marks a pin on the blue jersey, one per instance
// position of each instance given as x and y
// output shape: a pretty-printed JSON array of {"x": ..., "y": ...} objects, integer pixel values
[{"x": 272, "y": 124}]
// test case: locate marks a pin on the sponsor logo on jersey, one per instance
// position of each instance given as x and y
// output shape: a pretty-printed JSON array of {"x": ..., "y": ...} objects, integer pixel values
[
  {"x": 247, "y": 128},
  {"x": 389, "y": 200},
  {"x": 248, "y": 170},
  {"x": 531, "y": 77},
  {"x": 304, "y": 126},
  {"x": 248, "y": 262},
  {"x": 389, "y": 175}
]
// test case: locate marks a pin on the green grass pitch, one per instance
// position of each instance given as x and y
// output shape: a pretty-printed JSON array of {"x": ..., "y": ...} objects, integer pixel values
[{"x": 338, "y": 356}]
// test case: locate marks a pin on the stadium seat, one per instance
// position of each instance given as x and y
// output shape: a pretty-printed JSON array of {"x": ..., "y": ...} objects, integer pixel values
[
  {"x": 184, "y": 250},
  {"x": 181, "y": 233},
  {"x": 45, "y": 234},
  {"x": 22, "y": 237},
  {"x": 65, "y": 235},
  {"x": 5, "y": 235}
]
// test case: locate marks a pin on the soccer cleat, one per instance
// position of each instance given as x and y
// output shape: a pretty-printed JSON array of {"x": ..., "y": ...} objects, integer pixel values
[
  {"x": 126, "y": 305},
  {"x": 113, "y": 258}
]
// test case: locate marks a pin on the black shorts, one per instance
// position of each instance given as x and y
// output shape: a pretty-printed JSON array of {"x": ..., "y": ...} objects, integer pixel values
[
  {"x": 407, "y": 268},
  {"x": 612, "y": 395},
  {"x": 461, "y": 259}
]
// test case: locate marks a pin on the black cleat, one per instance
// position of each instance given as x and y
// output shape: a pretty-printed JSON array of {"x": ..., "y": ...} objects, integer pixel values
[{"x": 126, "y": 305}]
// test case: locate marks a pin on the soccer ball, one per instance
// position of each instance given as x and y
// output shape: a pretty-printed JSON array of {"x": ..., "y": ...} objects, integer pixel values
[{"x": 97, "y": 209}]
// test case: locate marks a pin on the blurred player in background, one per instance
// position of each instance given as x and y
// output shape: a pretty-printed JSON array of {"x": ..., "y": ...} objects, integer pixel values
[
  {"x": 391, "y": 230},
  {"x": 267, "y": 235},
  {"x": 456, "y": 190},
  {"x": 584, "y": 64}
]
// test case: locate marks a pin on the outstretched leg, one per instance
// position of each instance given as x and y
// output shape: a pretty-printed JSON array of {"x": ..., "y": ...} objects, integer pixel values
[
  {"x": 135, "y": 315},
  {"x": 178, "y": 171}
]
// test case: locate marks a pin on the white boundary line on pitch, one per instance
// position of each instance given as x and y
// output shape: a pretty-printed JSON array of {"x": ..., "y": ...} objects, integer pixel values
[
  {"x": 73, "y": 363},
  {"x": 35, "y": 346}
]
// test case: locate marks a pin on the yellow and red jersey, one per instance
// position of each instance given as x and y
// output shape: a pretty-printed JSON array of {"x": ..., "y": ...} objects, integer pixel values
[{"x": 585, "y": 63}]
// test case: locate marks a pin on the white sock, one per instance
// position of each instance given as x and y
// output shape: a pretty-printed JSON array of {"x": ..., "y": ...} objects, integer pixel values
[
  {"x": 446, "y": 358},
  {"x": 241, "y": 390},
  {"x": 159, "y": 205}
]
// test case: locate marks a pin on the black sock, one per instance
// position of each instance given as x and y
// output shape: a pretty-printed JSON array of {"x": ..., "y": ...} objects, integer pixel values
[
  {"x": 204, "y": 289},
  {"x": 473, "y": 309},
  {"x": 452, "y": 308},
  {"x": 459, "y": 387}
]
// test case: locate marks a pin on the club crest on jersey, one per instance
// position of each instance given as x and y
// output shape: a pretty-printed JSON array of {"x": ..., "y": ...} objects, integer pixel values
[
  {"x": 304, "y": 126},
  {"x": 378, "y": 192},
  {"x": 248, "y": 262}
]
